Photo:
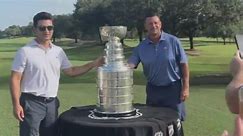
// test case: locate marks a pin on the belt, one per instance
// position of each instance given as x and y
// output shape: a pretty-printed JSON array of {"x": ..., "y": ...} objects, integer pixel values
[{"x": 39, "y": 98}]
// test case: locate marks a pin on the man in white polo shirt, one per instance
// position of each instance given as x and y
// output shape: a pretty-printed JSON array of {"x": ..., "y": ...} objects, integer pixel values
[{"x": 35, "y": 79}]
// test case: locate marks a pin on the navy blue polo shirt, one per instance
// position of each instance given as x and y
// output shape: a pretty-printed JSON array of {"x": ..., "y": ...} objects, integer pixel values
[{"x": 161, "y": 61}]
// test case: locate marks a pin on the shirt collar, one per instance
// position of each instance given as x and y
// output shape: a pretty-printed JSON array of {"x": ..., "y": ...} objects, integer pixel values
[
  {"x": 35, "y": 43},
  {"x": 162, "y": 37}
]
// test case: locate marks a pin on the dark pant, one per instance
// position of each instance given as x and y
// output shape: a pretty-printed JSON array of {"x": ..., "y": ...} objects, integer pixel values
[
  {"x": 166, "y": 96},
  {"x": 40, "y": 115}
]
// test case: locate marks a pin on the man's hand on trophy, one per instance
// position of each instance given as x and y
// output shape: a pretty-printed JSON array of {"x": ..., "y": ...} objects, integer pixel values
[{"x": 99, "y": 61}]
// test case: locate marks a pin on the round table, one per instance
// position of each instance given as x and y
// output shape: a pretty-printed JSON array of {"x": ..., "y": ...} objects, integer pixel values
[{"x": 155, "y": 121}]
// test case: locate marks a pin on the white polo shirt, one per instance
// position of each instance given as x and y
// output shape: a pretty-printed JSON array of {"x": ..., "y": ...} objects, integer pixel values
[{"x": 40, "y": 68}]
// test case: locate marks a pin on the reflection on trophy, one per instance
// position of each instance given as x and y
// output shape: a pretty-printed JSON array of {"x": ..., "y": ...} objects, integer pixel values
[{"x": 115, "y": 78}]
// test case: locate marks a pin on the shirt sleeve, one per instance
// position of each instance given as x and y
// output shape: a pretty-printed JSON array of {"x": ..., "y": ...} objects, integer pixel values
[
  {"x": 65, "y": 61},
  {"x": 181, "y": 52},
  {"x": 134, "y": 59},
  {"x": 20, "y": 61}
]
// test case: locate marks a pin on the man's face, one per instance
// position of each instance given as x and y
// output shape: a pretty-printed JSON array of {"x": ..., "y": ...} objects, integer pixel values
[
  {"x": 44, "y": 30},
  {"x": 153, "y": 25}
]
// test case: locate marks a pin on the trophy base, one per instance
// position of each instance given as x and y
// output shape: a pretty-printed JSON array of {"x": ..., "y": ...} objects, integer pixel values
[{"x": 116, "y": 115}]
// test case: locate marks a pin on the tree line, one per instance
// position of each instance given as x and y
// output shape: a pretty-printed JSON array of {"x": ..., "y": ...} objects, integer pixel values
[{"x": 183, "y": 18}]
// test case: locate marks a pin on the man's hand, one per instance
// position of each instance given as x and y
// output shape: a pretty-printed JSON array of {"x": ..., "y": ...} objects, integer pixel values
[
  {"x": 185, "y": 81},
  {"x": 232, "y": 89},
  {"x": 185, "y": 93},
  {"x": 15, "y": 94},
  {"x": 238, "y": 128},
  {"x": 236, "y": 65},
  {"x": 99, "y": 61},
  {"x": 18, "y": 112},
  {"x": 80, "y": 70}
]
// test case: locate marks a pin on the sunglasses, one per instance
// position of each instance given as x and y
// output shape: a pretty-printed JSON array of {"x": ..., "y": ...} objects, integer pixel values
[{"x": 43, "y": 28}]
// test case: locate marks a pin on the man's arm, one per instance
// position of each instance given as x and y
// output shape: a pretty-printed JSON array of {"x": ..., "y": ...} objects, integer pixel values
[
  {"x": 131, "y": 65},
  {"x": 80, "y": 70},
  {"x": 185, "y": 81},
  {"x": 238, "y": 128},
  {"x": 232, "y": 89},
  {"x": 15, "y": 94}
]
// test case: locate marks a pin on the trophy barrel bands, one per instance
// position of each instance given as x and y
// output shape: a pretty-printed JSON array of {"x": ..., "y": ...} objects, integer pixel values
[{"x": 115, "y": 91}]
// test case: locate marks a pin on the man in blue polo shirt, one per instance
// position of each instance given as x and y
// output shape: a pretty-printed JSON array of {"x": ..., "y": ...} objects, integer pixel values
[{"x": 165, "y": 67}]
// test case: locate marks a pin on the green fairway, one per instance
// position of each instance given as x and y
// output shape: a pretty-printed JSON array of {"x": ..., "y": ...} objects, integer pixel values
[{"x": 207, "y": 112}]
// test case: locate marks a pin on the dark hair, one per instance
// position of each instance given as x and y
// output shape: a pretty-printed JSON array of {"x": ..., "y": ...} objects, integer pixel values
[
  {"x": 151, "y": 13},
  {"x": 41, "y": 16}
]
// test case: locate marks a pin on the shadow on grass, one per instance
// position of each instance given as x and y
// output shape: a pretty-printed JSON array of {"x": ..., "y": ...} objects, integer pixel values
[
  {"x": 138, "y": 79},
  {"x": 9, "y": 50},
  {"x": 205, "y": 43},
  {"x": 10, "y": 59},
  {"x": 10, "y": 47},
  {"x": 222, "y": 79}
]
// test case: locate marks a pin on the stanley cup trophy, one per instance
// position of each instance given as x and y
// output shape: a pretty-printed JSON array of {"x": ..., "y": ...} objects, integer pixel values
[{"x": 114, "y": 78}]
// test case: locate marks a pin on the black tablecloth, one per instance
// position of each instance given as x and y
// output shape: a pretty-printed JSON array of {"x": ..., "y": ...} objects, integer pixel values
[{"x": 155, "y": 121}]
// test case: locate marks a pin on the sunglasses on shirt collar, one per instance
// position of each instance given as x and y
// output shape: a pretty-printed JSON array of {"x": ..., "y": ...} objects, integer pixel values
[{"x": 43, "y": 28}]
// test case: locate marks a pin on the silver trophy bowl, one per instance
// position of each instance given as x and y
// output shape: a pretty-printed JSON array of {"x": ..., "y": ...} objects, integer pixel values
[{"x": 107, "y": 32}]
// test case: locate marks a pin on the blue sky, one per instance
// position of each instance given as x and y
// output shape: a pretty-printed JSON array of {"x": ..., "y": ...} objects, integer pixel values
[{"x": 21, "y": 12}]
